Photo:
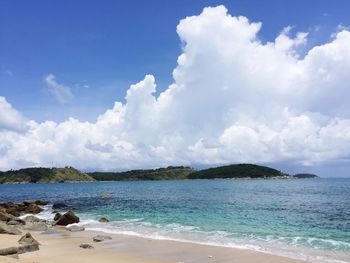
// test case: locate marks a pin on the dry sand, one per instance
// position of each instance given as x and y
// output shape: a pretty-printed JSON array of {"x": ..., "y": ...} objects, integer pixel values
[{"x": 63, "y": 247}]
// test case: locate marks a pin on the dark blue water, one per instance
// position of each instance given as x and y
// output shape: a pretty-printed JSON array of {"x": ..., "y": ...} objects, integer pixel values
[{"x": 307, "y": 219}]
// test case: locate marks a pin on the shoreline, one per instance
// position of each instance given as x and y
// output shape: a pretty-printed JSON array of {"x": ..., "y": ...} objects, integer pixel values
[{"x": 62, "y": 246}]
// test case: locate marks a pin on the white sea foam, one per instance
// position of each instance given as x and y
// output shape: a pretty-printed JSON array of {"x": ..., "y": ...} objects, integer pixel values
[
  {"x": 190, "y": 234},
  {"x": 176, "y": 232}
]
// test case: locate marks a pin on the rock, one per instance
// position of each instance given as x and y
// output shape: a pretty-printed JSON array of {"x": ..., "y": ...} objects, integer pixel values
[
  {"x": 103, "y": 220},
  {"x": 58, "y": 205},
  {"x": 27, "y": 248},
  {"x": 33, "y": 209},
  {"x": 27, "y": 239},
  {"x": 5, "y": 216},
  {"x": 28, "y": 202},
  {"x": 10, "y": 218},
  {"x": 36, "y": 226},
  {"x": 67, "y": 218},
  {"x": 13, "y": 223},
  {"x": 5, "y": 229},
  {"x": 57, "y": 216},
  {"x": 33, "y": 219},
  {"x": 8, "y": 251},
  {"x": 75, "y": 228},
  {"x": 40, "y": 202},
  {"x": 100, "y": 238},
  {"x": 86, "y": 246},
  {"x": 50, "y": 231},
  {"x": 105, "y": 196}
]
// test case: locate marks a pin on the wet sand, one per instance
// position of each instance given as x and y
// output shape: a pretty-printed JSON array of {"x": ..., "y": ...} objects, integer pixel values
[{"x": 63, "y": 247}]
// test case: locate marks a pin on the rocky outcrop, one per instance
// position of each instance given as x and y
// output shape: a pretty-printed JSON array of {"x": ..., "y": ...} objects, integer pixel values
[
  {"x": 100, "y": 238},
  {"x": 27, "y": 239},
  {"x": 25, "y": 207},
  {"x": 66, "y": 219},
  {"x": 5, "y": 229}
]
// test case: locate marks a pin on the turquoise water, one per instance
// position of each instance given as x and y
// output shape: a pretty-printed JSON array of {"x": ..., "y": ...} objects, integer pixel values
[{"x": 308, "y": 219}]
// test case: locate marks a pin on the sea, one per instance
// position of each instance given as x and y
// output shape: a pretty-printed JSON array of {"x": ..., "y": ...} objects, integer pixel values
[{"x": 303, "y": 219}]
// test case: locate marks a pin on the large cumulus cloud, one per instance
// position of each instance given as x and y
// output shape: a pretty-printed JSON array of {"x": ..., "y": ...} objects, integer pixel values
[{"x": 233, "y": 99}]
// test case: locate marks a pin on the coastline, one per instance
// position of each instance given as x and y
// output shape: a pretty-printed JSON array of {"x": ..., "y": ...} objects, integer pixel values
[{"x": 62, "y": 246}]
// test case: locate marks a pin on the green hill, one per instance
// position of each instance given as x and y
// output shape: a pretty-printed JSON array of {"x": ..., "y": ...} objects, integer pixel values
[
  {"x": 44, "y": 175},
  {"x": 305, "y": 176},
  {"x": 238, "y": 171},
  {"x": 168, "y": 173}
]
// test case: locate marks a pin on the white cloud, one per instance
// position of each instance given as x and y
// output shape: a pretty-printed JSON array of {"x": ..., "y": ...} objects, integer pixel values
[
  {"x": 61, "y": 92},
  {"x": 233, "y": 99},
  {"x": 10, "y": 118}
]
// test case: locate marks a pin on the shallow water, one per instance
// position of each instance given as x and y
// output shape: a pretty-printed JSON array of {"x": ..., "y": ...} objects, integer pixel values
[{"x": 308, "y": 219}]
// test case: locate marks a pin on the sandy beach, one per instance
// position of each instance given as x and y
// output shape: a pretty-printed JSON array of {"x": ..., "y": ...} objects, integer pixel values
[{"x": 63, "y": 247}]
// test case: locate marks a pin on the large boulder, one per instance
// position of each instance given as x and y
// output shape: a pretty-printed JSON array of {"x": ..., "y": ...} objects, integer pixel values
[
  {"x": 5, "y": 229},
  {"x": 27, "y": 239},
  {"x": 67, "y": 218}
]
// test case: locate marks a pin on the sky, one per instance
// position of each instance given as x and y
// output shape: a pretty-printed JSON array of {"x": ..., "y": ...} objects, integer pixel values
[{"x": 116, "y": 85}]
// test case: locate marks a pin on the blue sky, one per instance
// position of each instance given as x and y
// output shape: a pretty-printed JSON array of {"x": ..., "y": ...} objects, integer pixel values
[
  {"x": 108, "y": 45},
  {"x": 250, "y": 81}
]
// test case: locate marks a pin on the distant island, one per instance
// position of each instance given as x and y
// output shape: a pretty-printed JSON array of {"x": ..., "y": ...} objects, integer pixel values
[
  {"x": 305, "y": 176},
  {"x": 70, "y": 174}
]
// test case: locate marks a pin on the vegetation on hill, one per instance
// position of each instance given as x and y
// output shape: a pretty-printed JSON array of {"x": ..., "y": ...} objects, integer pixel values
[
  {"x": 70, "y": 174},
  {"x": 238, "y": 171},
  {"x": 305, "y": 176},
  {"x": 44, "y": 175},
  {"x": 168, "y": 173}
]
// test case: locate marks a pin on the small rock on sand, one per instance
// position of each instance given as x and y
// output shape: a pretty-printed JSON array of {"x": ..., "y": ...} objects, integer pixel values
[
  {"x": 100, "y": 238},
  {"x": 75, "y": 228},
  {"x": 86, "y": 246}
]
